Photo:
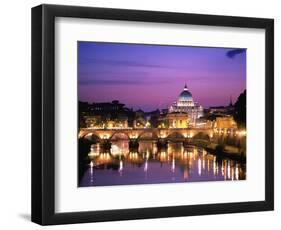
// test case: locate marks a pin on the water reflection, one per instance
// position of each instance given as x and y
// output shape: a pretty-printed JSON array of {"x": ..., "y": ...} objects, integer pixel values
[{"x": 148, "y": 164}]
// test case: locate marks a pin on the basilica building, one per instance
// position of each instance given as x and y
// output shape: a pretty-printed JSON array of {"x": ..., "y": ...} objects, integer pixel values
[{"x": 185, "y": 104}]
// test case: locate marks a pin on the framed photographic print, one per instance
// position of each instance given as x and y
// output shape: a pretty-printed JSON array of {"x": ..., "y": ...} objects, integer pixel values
[{"x": 142, "y": 114}]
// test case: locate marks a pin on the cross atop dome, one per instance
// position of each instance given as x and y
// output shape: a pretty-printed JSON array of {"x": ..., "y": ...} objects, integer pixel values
[{"x": 185, "y": 87}]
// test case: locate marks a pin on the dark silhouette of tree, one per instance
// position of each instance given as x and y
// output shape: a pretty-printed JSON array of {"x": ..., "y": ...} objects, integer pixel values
[{"x": 240, "y": 110}]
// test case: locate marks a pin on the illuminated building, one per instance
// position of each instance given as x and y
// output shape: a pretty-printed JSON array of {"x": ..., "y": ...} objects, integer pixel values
[
  {"x": 177, "y": 120},
  {"x": 140, "y": 120},
  {"x": 93, "y": 121},
  {"x": 185, "y": 104},
  {"x": 105, "y": 115},
  {"x": 203, "y": 123},
  {"x": 226, "y": 122},
  {"x": 97, "y": 122}
]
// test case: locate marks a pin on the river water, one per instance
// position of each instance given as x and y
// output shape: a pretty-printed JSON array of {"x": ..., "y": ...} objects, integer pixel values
[{"x": 150, "y": 165}]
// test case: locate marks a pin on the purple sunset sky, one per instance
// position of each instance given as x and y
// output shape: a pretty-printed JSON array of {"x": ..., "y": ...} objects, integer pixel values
[{"x": 148, "y": 77}]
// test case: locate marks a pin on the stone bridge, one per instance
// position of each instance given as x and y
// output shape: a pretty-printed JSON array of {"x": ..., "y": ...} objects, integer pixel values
[{"x": 144, "y": 133}]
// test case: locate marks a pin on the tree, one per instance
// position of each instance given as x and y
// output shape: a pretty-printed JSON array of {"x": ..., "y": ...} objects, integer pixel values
[{"x": 240, "y": 110}]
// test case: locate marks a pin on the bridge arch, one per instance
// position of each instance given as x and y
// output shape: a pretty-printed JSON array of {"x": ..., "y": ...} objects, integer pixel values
[
  {"x": 82, "y": 134},
  {"x": 95, "y": 137},
  {"x": 147, "y": 135},
  {"x": 119, "y": 136},
  {"x": 201, "y": 136},
  {"x": 175, "y": 135},
  {"x": 91, "y": 136},
  {"x": 86, "y": 135}
]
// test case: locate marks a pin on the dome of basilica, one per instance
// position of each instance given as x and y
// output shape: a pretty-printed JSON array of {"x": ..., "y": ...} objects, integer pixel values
[
  {"x": 185, "y": 95},
  {"x": 185, "y": 104}
]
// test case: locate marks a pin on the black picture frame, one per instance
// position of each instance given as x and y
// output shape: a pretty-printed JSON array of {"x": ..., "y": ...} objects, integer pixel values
[{"x": 43, "y": 110}]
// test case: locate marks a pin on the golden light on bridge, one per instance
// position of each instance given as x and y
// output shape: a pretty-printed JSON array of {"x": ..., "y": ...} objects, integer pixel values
[
  {"x": 163, "y": 134},
  {"x": 105, "y": 136},
  {"x": 242, "y": 133},
  {"x": 133, "y": 136}
]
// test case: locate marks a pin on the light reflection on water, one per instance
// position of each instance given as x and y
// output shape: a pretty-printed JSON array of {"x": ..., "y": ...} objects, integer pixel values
[{"x": 149, "y": 165}]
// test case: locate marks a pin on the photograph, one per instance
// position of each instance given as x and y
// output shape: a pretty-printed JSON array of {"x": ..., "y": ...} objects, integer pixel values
[
  {"x": 150, "y": 114},
  {"x": 141, "y": 114}
]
